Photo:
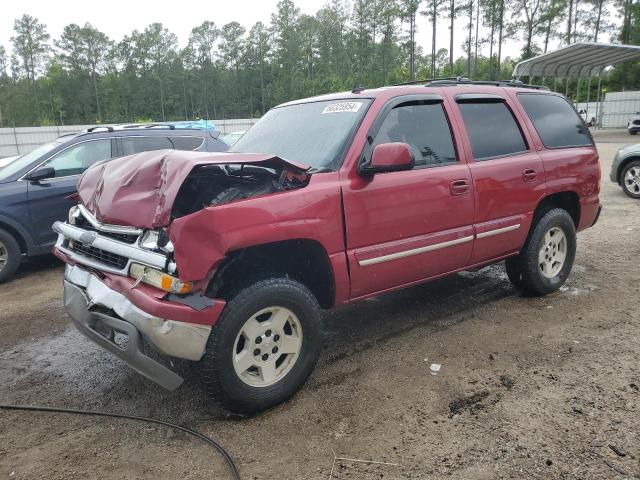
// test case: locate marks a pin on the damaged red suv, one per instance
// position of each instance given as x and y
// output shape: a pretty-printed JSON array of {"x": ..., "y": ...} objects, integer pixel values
[{"x": 226, "y": 259}]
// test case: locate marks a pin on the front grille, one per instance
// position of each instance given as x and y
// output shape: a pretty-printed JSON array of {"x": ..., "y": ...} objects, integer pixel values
[
  {"x": 121, "y": 237},
  {"x": 636, "y": 122},
  {"x": 100, "y": 255}
]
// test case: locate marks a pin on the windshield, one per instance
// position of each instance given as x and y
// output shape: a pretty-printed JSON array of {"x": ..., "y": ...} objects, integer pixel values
[
  {"x": 313, "y": 133},
  {"x": 24, "y": 161},
  {"x": 7, "y": 160}
]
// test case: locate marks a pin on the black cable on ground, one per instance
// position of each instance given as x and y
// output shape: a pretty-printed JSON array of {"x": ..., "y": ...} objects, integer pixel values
[{"x": 32, "y": 408}]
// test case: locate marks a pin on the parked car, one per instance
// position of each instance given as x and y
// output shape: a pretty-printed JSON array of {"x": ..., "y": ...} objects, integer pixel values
[
  {"x": 7, "y": 160},
  {"x": 233, "y": 137},
  {"x": 588, "y": 118},
  {"x": 625, "y": 170},
  {"x": 35, "y": 188},
  {"x": 227, "y": 259},
  {"x": 633, "y": 125}
]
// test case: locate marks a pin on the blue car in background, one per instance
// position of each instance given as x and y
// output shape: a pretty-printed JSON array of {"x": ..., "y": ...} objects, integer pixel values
[{"x": 35, "y": 187}]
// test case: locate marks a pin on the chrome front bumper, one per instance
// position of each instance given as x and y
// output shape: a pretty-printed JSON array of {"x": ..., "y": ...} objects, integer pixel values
[{"x": 83, "y": 291}]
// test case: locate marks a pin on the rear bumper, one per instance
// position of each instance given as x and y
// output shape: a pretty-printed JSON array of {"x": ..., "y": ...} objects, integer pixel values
[{"x": 99, "y": 312}]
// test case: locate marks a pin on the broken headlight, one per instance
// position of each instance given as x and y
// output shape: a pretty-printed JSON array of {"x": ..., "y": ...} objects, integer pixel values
[
  {"x": 156, "y": 241},
  {"x": 158, "y": 279}
]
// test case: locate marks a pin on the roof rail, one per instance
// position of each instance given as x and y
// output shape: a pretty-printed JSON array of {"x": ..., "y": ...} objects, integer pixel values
[
  {"x": 447, "y": 81},
  {"x": 495, "y": 83},
  {"x": 425, "y": 81},
  {"x": 109, "y": 128},
  {"x": 195, "y": 125}
]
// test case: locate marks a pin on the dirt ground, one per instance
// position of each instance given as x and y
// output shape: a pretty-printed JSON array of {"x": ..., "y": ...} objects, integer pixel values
[{"x": 529, "y": 387}]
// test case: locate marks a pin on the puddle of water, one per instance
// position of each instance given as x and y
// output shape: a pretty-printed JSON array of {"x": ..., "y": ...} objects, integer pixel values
[{"x": 68, "y": 357}]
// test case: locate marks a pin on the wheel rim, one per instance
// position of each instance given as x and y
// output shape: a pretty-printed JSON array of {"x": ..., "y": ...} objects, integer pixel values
[
  {"x": 632, "y": 180},
  {"x": 553, "y": 252},
  {"x": 267, "y": 346},
  {"x": 4, "y": 256}
]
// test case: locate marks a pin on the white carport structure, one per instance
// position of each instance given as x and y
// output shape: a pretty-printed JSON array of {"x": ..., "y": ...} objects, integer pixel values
[{"x": 578, "y": 61}]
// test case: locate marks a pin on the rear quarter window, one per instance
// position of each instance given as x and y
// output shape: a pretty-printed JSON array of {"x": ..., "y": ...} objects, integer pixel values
[
  {"x": 187, "y": 143},
  {"x": 555, "y": 120}
]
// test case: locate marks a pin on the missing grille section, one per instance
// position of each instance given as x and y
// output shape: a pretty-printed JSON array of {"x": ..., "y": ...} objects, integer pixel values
[{"x": 121, "y": 237}]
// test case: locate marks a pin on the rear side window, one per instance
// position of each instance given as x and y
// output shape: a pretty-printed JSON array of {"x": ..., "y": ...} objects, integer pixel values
[
  {"x": 556, "y": 121},
  {"x": 131, "y": 145},
  {"x": 187, "y": 143},
  {"x": 424, "y": 127},
  {"x": 493, "y": 132}
]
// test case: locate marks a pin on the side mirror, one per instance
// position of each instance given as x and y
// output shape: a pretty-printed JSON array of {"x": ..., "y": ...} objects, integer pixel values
[
  {"x": 389, "y": 157},
  {"x": 41, "y": 174}
]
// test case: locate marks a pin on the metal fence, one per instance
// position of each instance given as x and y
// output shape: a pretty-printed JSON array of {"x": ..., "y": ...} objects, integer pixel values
[
  {"x": 21, "y": 140},
  {"x": 618, "y": 108}
]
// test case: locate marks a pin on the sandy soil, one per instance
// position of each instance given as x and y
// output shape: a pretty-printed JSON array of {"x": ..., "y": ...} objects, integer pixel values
[{"x": 529, "y": 387}]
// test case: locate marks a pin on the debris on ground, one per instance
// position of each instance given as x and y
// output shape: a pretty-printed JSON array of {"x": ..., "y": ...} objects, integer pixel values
[
  {"x": 617, "y": 451},
  {"x": 435, "y": 368},
  {"x": 471, "y": 403},
  {"x": 507, "y": 381}
]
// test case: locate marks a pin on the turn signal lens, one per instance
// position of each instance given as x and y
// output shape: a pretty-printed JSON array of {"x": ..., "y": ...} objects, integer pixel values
[{"x": 158, "y": 279}]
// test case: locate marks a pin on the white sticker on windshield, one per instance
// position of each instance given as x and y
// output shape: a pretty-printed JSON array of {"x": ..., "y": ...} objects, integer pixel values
[{"x": 351, "y": 107}]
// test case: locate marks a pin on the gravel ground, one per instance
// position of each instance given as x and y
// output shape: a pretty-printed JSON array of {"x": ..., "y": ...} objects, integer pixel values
[{"x": 529, "y": 387}]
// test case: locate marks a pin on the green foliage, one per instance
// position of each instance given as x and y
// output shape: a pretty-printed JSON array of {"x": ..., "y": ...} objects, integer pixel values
[{"x": 225, "y": 71}]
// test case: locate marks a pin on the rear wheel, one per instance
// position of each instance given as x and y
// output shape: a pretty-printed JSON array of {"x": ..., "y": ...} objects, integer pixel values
[
  {"x": 632, "y": 132},
  {"x": 631, "y": 179},
  {"x": 264, "y": 346},
  {"x": 546, "y": 259},
  {"x": 9, "y": 256}
]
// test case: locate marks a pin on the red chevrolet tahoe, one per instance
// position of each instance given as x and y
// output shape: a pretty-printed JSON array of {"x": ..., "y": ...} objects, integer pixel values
[{"x": 227, "y": 259}]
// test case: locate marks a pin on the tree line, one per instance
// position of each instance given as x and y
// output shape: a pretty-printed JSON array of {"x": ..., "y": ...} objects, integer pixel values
[{"x": 227, "y": 71}]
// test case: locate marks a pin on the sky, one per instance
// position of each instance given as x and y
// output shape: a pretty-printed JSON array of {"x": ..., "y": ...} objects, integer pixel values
[{"x": 118, "y": 18}]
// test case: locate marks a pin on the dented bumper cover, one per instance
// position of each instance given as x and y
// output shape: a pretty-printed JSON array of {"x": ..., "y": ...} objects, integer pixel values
[{"x": 99, "y": 311}]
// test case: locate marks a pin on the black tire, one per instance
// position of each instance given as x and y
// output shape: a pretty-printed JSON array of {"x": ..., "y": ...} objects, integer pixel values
[
  {"x": 524, "y": 269},
  {"x": 632, "y": 132},
  {"x": 9, "y": 247},
  {"x": 625, "y": 189},
  {"x": 216, "y": 371}
]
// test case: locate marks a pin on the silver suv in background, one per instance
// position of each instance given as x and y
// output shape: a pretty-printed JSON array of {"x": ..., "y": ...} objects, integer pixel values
[{"x": 625, "y": 169}]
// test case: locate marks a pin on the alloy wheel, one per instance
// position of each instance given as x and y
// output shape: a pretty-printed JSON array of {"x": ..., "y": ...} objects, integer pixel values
[
  {"x": 267, "y": 346},
  {"x": 4, "y": 256},
  {"x": 553, "y": 252},
  {"x": 632, "y": 180}
]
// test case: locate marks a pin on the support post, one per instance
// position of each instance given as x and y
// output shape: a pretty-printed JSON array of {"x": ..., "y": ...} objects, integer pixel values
[
  {"x": 588, "y": 98},
  {"x": 598, "y": 104}
]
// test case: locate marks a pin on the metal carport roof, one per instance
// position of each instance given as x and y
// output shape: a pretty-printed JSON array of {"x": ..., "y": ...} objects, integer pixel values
[{"x": 579, "y": 60}]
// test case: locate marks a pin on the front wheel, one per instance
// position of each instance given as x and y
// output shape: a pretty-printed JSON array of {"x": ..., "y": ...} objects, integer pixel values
[
  {"x": 263, "y": 348},
  {"x": 9, "y": 256},
  {"x": 631, "y": 179},
  {"x": 546, "y": 260}
]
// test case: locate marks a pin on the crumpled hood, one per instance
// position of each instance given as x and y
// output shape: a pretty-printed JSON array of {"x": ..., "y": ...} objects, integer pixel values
[{"x": 139, "y": 190}]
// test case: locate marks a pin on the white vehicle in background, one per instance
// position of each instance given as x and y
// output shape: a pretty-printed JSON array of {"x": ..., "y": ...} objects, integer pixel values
[
  {"x": 633, "y": 125},
  {"x": 7, "y": 160},
  {"x": 590, "y": 120}
]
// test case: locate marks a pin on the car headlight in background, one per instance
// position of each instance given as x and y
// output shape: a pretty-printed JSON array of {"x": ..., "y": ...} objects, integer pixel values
[{"x": 158, "y": 279}]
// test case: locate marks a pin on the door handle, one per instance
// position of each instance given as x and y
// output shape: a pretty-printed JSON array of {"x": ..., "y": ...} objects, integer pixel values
[
  {"x": 459, "y": 187},
  {"x": 529, "y": 175}
]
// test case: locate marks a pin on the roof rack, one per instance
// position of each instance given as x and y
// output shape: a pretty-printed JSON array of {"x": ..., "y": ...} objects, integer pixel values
[
  {"x": 196, "y": 125},
  {"x": 495, "y": 83},
  {"x": 448, "y": 81},
  {"x": 424, "y": 81}
]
